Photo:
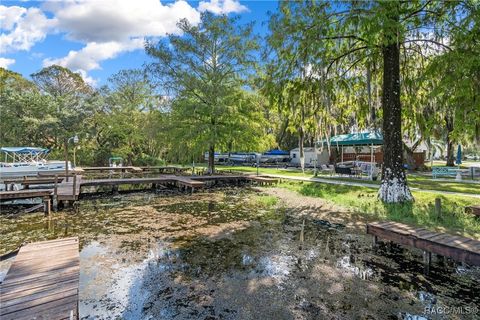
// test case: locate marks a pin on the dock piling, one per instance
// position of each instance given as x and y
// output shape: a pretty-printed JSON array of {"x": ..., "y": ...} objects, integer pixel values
[
  {"x": 427, "y": 260},
  {"x": 55, "y": 193},
  {"x": 438, "y": 207},
  {"x": 46, "y": 206}
]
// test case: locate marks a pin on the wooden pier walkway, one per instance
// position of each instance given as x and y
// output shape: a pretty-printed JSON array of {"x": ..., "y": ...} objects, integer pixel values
[
  {"x": 122, "y": 169},
  {"x": 262, "y": 180},
  {"x": 458, "y": 248},
  {"x": 25, "y": 194},
  {"x": 70, "y": 189},
  {"x": 27, "y": 182},
  {"x": 42, "y": 282}
]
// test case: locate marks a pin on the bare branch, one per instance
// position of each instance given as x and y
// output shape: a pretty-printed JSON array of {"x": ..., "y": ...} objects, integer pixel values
[
  {"x": 431, "y": 41},
  {"x": 344, "y": 55}
]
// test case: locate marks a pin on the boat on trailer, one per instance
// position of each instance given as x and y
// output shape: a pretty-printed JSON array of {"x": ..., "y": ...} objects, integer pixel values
[{"x": 28, "y": 161}]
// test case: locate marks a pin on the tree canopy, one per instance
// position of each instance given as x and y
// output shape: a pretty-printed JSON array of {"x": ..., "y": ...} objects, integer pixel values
[{"x": 409, "y": 69}]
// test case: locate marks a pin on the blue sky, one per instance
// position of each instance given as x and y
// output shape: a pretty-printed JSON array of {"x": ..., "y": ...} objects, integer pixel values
[{"x": 100, "y": 37}]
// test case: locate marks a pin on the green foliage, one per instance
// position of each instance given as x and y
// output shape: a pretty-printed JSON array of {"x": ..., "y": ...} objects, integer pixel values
[
  {"x": 205, "y": 69},
  {"x": 421, "y": 213}
]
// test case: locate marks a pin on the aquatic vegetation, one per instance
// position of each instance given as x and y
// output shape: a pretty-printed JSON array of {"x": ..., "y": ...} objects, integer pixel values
[{"x": 235, "y": 254}]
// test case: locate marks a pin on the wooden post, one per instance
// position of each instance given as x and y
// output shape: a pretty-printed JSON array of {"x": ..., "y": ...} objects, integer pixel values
[
  {"x": 438, "y": 207},
  {"x": 46, "y": 205},
  {"x": 427, "y": 259},
  {"x": 55, "y": 194},
  {"x": 74, "y": 191},
  {"x": 66, "y": 158},
  {"x": 375, "y": 241}
]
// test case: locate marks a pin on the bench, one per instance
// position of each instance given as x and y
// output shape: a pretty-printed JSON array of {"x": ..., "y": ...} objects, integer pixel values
[
  {"x": 446, "y": 171},
  {"x": 344, "y": 170}
]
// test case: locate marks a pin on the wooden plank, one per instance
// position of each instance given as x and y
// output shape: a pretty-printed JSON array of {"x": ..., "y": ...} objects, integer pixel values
[
  {"x": 42, "y": 276},
  {"x": 34, "y": 294},
  {"x": 25, "y": 194},
  {"x": 54, "y": 244},
  {"x": 455, "y": 247},
  {"x": 42, "y": 282},
  {"x": 39, "y": 284},
  {"x": 473, "y": 210},
  {"x": 50, "y": 309}
]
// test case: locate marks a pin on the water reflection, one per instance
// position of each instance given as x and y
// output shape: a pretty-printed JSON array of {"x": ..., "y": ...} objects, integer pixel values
[{"x": 224, "y": 254}]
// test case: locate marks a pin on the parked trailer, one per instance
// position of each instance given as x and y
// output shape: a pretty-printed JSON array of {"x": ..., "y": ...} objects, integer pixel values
[
  {"x": 218, "y": 157},
  {"x": 275, "y": 157},
  {"x": 242, "y": 158}
]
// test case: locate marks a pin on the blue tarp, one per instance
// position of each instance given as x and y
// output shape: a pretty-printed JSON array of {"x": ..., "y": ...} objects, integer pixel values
[
  {"x": 356, "y": 139},
  {"x": 24, "y": 150},
  {"x": 277, "y": 152}
]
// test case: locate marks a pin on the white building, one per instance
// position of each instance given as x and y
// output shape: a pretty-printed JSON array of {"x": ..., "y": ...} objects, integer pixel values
[{"x": 310, "y": 154}]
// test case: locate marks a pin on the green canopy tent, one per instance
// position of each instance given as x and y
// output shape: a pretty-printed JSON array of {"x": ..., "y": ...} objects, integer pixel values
[{"x": 371, "y": 139}]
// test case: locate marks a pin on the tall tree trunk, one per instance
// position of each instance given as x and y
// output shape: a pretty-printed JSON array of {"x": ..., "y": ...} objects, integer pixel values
[
  {"x": 301, "y": 140},
  {"x": 450, "y": 147},
  {"x": 394, "y": 186},
  {"x": 211, "y": 159}
]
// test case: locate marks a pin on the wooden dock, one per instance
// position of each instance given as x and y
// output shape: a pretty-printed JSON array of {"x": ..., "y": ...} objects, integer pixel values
[
  {"x": 69, "y": 190},
  {"x": 166, "y": 169},
  {"x": 262, "y": 180},
  {"x": 122, "y": 169},
  {"x": 473, "y": 210},
  {"x": 27, "y": 182},
  {"x": 25, "y": 194},
  {"x": 458, "y": 248},
  {"x": 42, "y": 282}
]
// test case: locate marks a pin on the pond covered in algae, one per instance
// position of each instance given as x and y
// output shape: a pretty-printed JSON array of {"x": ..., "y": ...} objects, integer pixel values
[{"x": 235, "y": 254}]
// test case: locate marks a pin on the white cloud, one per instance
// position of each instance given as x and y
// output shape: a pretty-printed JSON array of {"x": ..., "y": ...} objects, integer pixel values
[
  {"x": 5, "y": 62},
  {"x": 89, "y": 80},
  {"x": 24, "y": 27},
  {"x": 222, "y": 6},
  {"x": 108, "y": 28},
  {"x": 119, "y": 20},
  {"x": 88, "y": 57},
  {"x": 112, "y": 27}
]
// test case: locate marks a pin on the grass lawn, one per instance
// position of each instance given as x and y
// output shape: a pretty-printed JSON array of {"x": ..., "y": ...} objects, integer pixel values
[
  {"x": 363, "y": 200},
  {"x": 415, "y": 180},
  {"x": 442, "y": 163}
]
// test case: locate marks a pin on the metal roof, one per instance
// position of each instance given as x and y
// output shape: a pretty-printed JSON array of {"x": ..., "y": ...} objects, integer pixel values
[
  {"x": 356, "y": 139},
  {"x": 24, "y": 150},
  {"x": 276, "y": 152}
]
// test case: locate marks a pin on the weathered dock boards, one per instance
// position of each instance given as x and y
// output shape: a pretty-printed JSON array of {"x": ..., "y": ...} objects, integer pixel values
[
  {"x": 69, "y": 190},
  {"x": 474, "y": 210},
  {"x": 123, "y": 169},
  {"x": 458, "y": 248},
  {"x": 120, "y": 181},
  {"x": 179, "y": 180},
  {"x": 189, "y": 183},
  {"x": 262, "y": 180},
  {"x": 220, "y": 178},
  {"x": 26, "y": 182},
  {"x": 25, "y": 194},
  {"x": 42, "y": 282},
  {"x": 165, "y": 169}
]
